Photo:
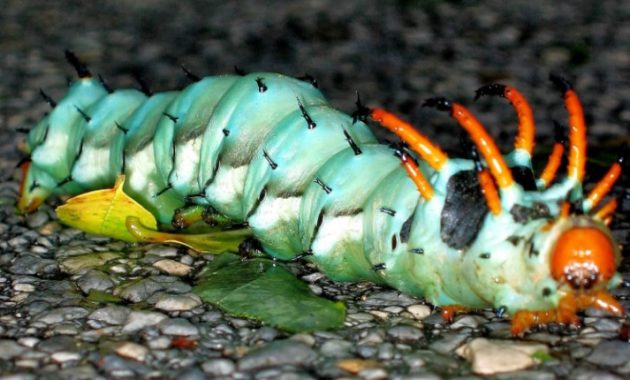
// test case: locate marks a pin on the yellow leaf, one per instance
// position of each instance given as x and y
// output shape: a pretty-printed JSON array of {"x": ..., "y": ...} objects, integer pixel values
[{"x": 105, "y": 212}]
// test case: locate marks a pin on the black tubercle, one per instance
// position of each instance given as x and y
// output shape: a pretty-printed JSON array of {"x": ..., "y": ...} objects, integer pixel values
[
  {"x": 321, "y": 183},
  {"x": 493, "y": 89},
  {"x": 47, "y": 98},
  {"x": 353, "y": 145},
  {"x": 417, "y": 251},
  {"x": 144, "y": 87},
  {"x": 239, "y": 71},
  {"x": 173, "y": 118},
  {"x": 79, "y": 67},
  {"x": 80, "y": 151},
  {"x": 388, "y": 211},
  {"x": 362, "y": 112},
  {"x": 164, "y": 190},
  {"x": 189, "y": 74},
  {"x": 105, "y": 85},
  {"x": 33, "y": 186},
  {"x": 123, "y": 129},
  {"x": 262, "y": 87},
  {"x": 405, "y": 230},
  {"x": 226, "y": 132},
  {"x": 308, "y": 78},
  {"x": 523, "y": 214},
  {"x": 500, "y": 311},
  {"x": 309, "y": 121},
  {"x": 271, "y": 162},
  {"x": 560, "y": 82},
  {"x": 464, "y": 210},
  {"x": 439, "y": 103},
  {"x": 64, "y": 181},
  {"x": 484, "y": 255},
  {"x": 84, "y": 115}
]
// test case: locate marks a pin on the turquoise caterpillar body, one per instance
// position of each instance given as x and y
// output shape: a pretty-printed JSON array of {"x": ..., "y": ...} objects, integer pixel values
[{"x": 269, "y": 150}]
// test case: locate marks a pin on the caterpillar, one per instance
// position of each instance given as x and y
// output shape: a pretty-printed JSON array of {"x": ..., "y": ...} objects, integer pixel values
[{"x": 310, "y": 181}]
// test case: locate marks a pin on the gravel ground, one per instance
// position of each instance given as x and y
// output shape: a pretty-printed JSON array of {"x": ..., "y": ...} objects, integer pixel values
[{"x": 77, "y": 306}]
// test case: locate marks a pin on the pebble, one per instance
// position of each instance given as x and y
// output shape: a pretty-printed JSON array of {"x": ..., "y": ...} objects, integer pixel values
[
  {"x": 489, "y": 357},
  {"x": 179, "y": 302},
  {"x": 78, "y": 264},
  {"x": 63, "y": 356},
  {"x": 139, "y": 291},
  {"x": 610, "y": 353},
  {"x": 419, "y": 311},
  {"x": 133, "y": 351},
  {"x": 172, "y": 267},
  {"x": 162, "y": 251},
  {"x": 95, "y": 280},
  {"x": 336, "y": 348},
  {"x": 218, "y": 367},
  {"x": 111, "y": 314},
  {"x": 137, "y": 320},
  {"x": 406, "y": 334},
  {"x": 10, "y": 349},
  {"x": 61, "y": 314},
  {"x": 281, "y": 352},
  {"x": 178, "y": 326}
]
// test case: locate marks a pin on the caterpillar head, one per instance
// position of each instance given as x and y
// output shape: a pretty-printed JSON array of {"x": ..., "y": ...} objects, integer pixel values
[{"x": 584, "y": 255}]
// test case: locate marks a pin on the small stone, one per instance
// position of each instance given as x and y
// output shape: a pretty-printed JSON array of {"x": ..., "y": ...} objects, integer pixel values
[
  {"x": 137, "y": 320},
  {"x": 172, "y": 267},
  {"x": 419, "y": 312},
  {"x": 112, "y": 314},
  {"x": 305, "y": 338},
  {"x": 495, "y": 356},
  {"x": 62, "y": 357},
  {"x": 36, "y": 219},
  {"x": 218, "y": 367},
  {"x": 9, "y": 349},
  {"x": 30, "y": 264},
  {"x": 95, "y": 280},
  {"x": 179, "y": 302},
  {"x": 407, "y": 334},
  {"x": 178, "y": 326},
  {"x": 140, "y": 290},
  {"x": 281, "y": 352},
  {"x": 162, "y": 251},
  {"x": 160, "y": 343},
  {"x": 133, "y": 351},
  {"x": 24, "y": 288},
  {"x": 610, "y": 354},
  {"x": 61, "y": 314},
  {"x": 336, "y": 348},
  {"x": 373, "y": 374},
  {"x": 471, "y": 321},
  {"x": 354, "y": 365}
]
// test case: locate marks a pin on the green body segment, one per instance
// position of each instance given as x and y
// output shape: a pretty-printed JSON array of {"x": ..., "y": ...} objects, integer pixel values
[{"x": 270, "y": 151}]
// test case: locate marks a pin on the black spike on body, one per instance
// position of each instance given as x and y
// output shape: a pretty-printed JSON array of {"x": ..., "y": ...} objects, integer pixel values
[
  {"x": 33, "y": 186},
  {"x": 362, "y": 112},
  {"x": 85, "y": 116},
  {"x": 105, "y": 85},
  {"x": 309, "y": 121},
  {"x": 417, "y": 251},
  {"x": 378, "y": 267},
  {"x": 271, "y": 162},
  {"x": 500, "y": 311},
  {"x": 64, "y": 181},
  {"x": 559, "y": 133},
  {"x": 355, "y": 148},
  {"x": 190, "y": 75},
  {"x": 239, "y": 71},
  {"x": 493, "y": 89},
  {"x": 441, "y": 104},
  {"x": 144, "y": 87},
  {"x": 173, "y": 118},
  {"x": 80, "y": 151},
  {"x": 388, "y": 211},
  {"x": 23, "y": 161},
  {"x": 560, "y": 82},
  {"x": 79, "y": 67},
  {"x": 47, "y": 98},
  {"x": 123, "y": 129},
  {"x": 308, "y": 78},
  {"x": 303, "y": 255},
  {"x": 321, "y": 183},
  {"x": 262, "y": 87}
]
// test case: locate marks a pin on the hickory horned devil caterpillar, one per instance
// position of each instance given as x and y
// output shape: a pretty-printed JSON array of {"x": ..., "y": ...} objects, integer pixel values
[{"x": 268, "y": 150}]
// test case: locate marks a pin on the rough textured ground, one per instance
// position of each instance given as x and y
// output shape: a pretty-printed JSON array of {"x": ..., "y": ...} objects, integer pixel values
[{"x": 56, "y": 319}]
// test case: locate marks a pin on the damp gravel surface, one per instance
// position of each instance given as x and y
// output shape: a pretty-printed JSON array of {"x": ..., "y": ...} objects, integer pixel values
[{"x": 83, "y": 307}]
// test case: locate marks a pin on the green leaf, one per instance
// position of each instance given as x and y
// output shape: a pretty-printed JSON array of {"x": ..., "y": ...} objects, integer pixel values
[
  {"x": 263, "y": 290},
  {"x": 542, "y": 356}
]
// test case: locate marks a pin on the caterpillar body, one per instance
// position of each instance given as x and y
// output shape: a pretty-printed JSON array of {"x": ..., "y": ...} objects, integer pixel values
[{"x": 269, "y": 150}]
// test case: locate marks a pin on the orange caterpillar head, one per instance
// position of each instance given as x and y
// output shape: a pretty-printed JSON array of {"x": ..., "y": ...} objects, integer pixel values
[{"x": 584, "y": 255}]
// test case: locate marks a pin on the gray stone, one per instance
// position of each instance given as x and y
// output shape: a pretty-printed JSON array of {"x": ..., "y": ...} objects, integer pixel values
[
  {"x": 140, "y": 290},
  {"x": 336, "y": 348},
  {"x": 133, "y": 351},
  {"x": 178, "y": 326},
  {"x": 95, "y": 280},
  {"x": 407, "y": 334},
  {"x": 61, "y": 314},
  {"x": 277, "y": 353},
  {"x": 81, "y": 263},
  {"x": 179, "y": 302},
  {"x": 610, "y": 353},
  {"x": 10, "y": 349},
  {"x": 111, "y": 314},
  {"x": 137, "y": 320},
  {"x": 172, "y": 267},
  {"x": 218, "y": 367},
  {"x": 30, "y": 264}
]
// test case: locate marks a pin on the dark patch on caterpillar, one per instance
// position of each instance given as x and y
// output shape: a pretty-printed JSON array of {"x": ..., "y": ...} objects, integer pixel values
[
  {"x": 531, "y": 251},
  {"x": 249, "y": 246},
  {"x": 394, "y": 242},
  {"x": 523, "y": 214},
  {"x": 417, "y": 251},
  {"x": 348, "y": 212},
  {"x": 262, "y": 87},
  {"x": 121, "y": 128},
  {"x": 164, "y": 190},
  {"x": 546, "y": 292},
  {"x": 226, "y": 132},
  {"x": 405, "y": 230},
  {"x": 524, "y": 176},
  {"x": 464, "y": 210},
  {"x": 261, "y": 197},
  {"x": 64, "y": 181},
  {"x": 80, "y": 151},
  {"x": 271, "y": 162},
  {"x": 353, "y": 145},
  {"x": 514, "y": 240},
  {"x": 33, "y": 186},
  {"x": 171, "y": 117},
  {"x": 84, "y": 115},
  {"x": 318, "y": 224},
  {"x": 484, "y": 256},
  {"x": 290, "y": 194}
]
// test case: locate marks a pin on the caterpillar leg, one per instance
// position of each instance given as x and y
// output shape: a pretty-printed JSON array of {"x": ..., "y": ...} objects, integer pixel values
[
  {"x": 187, "y": 216},
  {"x": 566, "y": 312}
]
